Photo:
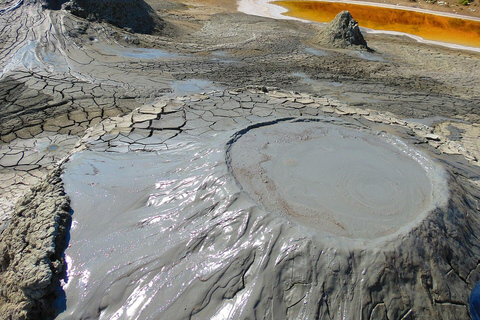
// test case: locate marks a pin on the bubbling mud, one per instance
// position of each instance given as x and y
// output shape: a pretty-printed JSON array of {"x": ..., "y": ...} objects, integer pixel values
[{"x": 344, "y": 181}]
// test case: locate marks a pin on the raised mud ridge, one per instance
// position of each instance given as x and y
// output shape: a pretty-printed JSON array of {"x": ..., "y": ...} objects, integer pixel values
[{"x": 31, "y": 251}]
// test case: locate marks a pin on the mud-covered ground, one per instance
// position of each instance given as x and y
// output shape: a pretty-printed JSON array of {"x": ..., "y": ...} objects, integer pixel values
[{"x": 65, "y": 81}]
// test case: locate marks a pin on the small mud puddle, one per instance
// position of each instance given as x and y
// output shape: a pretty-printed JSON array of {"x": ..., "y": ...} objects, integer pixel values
[
  {"x": 138, "y": 53},
  {"x": 192, "y": 86}
]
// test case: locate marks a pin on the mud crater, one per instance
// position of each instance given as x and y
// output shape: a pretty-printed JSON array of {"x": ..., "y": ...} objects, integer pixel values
[{"x": 335, "y": 177}]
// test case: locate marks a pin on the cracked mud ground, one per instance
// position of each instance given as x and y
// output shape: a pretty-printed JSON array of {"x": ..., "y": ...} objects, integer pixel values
[{"x": 68, "y": 84}]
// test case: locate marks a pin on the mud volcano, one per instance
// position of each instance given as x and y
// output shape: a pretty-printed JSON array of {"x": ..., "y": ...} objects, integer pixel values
[
  {"x": 265, "y": 216},
  {"x": 344, "y": 181}
]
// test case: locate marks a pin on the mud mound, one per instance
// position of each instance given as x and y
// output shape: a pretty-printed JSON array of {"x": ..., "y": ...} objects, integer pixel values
[
  {"x": 266, "y": 215},
  {"x": 342, "y": 32},
  {"x": 132, "y": 14}
]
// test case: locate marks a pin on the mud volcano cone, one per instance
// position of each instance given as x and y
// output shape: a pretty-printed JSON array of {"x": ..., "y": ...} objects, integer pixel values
[
  {"x": 133, "y": 14},
  {"x": 342, "y": 32}
]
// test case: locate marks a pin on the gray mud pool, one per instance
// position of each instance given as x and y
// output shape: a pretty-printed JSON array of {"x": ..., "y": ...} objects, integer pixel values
[{"x": 339, "y": 180}]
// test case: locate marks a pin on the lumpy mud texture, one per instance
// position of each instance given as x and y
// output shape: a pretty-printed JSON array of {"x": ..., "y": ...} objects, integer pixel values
[
  {"x": 342, "y": 32},
  {"x": 343, "y": 181},
  {"x": 31, "y": 251}
]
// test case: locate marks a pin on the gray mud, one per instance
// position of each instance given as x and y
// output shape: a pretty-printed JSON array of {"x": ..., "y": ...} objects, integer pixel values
[
  {"x": 163, "y": 229},
  {"x": 201, "y": 244},
  {"x": 31, "y": 251},
  {"x": 336, "y": 178},
  {"x": 136, "y": 15}
]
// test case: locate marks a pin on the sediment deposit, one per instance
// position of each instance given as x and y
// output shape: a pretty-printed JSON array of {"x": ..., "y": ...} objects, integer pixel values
[{"x": 175, "y": 216}]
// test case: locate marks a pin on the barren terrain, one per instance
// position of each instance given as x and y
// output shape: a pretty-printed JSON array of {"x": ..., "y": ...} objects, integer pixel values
[{"x": 143, "y": 127}]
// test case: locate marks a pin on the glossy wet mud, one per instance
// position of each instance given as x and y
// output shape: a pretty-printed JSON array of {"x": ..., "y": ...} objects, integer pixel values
[
  {"x": 427, "y": 26},
  {"x": 163, "y": 228}
]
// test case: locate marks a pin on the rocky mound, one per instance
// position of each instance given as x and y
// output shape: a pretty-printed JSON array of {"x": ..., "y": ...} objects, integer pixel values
[
  {"x": 135, "y": 15},
  {"x": 342, "y": 32}
]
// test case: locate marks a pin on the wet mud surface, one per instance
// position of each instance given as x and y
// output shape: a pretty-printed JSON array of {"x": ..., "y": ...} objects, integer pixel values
[
  {"x": 142, "y": 126},
  {"x": 225, "y": 238},
  {"x": 336, "y": 178}
]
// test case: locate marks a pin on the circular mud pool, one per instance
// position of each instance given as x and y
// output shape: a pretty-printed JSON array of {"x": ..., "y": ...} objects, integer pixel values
[{"x": 339, "y": 179}]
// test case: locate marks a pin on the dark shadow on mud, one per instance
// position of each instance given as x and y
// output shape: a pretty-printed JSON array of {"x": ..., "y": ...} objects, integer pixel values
[
  {"x": 54, "y": 4},
  {"x": 60, "y": 302},
  {"x": 133, "y": 15}
]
